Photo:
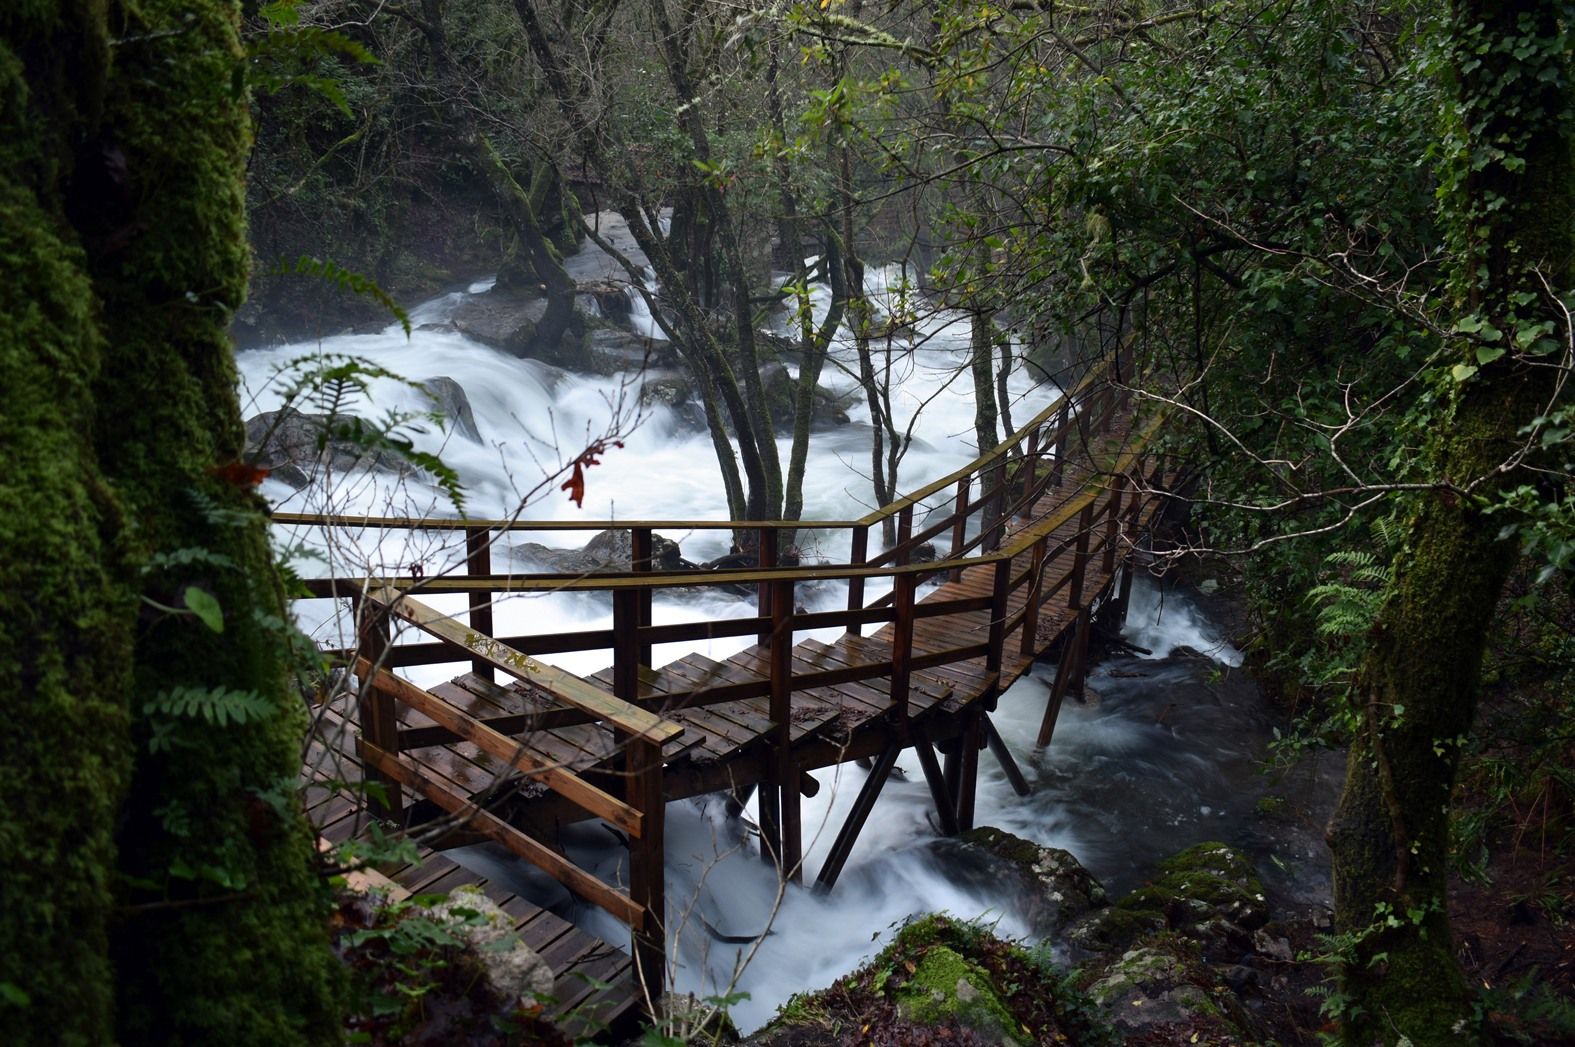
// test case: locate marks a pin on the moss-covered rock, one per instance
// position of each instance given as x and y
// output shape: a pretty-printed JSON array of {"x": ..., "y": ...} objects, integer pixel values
[
  {"x": 1209, "y": 894},
  {"x": 943, "y": 980},
  {"x": 1162, "y": 987},
  {"x": 1055, "y": 888}
]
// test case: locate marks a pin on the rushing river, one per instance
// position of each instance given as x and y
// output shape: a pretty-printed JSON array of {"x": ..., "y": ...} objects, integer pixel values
[{"x": 1166, "y": 752}]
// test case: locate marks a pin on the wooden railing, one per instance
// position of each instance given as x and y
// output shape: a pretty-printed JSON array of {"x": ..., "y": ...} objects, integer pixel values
[{"x": 984, "y": 499}]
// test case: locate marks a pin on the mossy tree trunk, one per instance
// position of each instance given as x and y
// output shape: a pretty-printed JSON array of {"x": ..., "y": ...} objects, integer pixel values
[
  {"x": 1511, "y": 204},
  {"x": 168, "y": 890}
]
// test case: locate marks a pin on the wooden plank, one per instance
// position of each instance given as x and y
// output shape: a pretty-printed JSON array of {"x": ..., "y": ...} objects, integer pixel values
[
  {"x": 538, "y": 854},
  {"x": 562, "y": 684},
  {"x": 516, "y": 755}
]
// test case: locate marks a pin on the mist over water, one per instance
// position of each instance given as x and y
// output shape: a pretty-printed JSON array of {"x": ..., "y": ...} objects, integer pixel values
[{"x": 1166, "y": 751}]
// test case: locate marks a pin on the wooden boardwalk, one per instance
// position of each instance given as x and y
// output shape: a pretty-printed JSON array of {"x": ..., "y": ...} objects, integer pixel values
[{"x": 1039, "y": 533}]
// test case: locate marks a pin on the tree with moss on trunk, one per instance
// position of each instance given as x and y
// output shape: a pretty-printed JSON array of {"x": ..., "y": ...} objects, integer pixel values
[
  {"x": 1510, "y": 204},
  {"x": 160, "y": 880}
]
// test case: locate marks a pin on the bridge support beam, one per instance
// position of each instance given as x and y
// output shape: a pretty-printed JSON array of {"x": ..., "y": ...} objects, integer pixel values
[{"x": 863, "y": 804}]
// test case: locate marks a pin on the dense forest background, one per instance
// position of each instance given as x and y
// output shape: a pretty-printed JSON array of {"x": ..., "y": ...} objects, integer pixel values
[{"x": 1339, "y": 233}]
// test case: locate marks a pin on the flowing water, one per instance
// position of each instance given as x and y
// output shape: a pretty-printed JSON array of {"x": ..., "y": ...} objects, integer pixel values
[{"x": 1165, "y": 752}]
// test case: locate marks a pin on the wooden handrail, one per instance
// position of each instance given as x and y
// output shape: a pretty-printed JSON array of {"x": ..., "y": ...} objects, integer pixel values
[{"x": 563, "y": 685}]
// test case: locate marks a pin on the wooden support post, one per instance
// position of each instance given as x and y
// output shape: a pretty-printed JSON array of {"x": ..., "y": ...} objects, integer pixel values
[
  {"x": 785, "y": 770},
  {"x": 375, "y": 708},
  {"x": 772, "y": 792},
  {"x": 1003, "y": 756},
  {"x": 858, "y": 557},
  {"x": 643, "y": 790},
  {"x": 863, "y": 804},
  {"x": 640, "y": 552},
  {"x": 945, "y": 803},
  {"x": 1085, "y": 524},
  {"x": 960, "y": 523},
  {"x": 478, "y": 562},
  {"x": 967, "y": 788},
  {"x": 1113, "y": 524},
  {"x": 647, "y": 863},
  {"x": 1065, "y": 671},
  {"x": 1036, "y": 576}
]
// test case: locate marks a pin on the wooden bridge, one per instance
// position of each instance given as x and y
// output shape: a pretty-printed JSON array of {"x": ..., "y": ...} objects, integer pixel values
[{"x": 1038, "y": 538}]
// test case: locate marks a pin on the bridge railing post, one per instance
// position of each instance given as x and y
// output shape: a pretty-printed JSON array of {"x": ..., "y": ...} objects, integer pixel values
[
  {"x": 1085, "y": 524},
  {"x": 376, "y": 711},
  {"x": 905, "y": 586},
  {"x": 858, "y": 556},
  {"x": 995, "y": 657},
  {"x": 641, "y": 544},
  {"x": 478, "y": 563},
  {"x": 1062, "y": 419},
  {"x": 1118, "y": 486},
  {"x": 779, "y": 597},
  {"x": 1036, "y": 578},
  {"x": 1029, "y": 466},
  {"x": 960, "y": 523}
]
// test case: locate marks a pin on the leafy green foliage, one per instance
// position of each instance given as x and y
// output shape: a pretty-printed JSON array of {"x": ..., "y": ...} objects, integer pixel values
[{"x": 346, "y": 280}]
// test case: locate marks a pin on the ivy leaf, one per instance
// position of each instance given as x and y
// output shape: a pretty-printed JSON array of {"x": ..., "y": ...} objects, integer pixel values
[
  {"x": 1486, "y": 354},
  {"x": 201, "y": 603},
  {"x": 1462, "y": 371}
]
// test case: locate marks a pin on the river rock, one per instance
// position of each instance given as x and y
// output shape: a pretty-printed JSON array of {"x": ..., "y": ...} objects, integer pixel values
[
  {"x": 609, "y": 550},
  {"x": 781, "y": 388},
  {"x": 513, "y": 968},
  {"x": 294, "y": 445},
  {"x": 448, "y": 396},
  {"x": 507, "y": 319},
  {"x": 1055, "y": 888},
  {"x": 1209, "y": 894},
  {"x": 1149, "y": 992}
]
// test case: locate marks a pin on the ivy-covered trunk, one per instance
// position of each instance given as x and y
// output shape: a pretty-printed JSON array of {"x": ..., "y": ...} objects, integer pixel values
[
  {"x": 175, "y": 897},
  {"x": 1510, "y": 205}
]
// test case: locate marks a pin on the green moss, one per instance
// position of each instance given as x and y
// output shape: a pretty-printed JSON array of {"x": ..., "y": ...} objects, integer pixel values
[
  {"x": 65, "y": 625},
  {"x": 944, "y": 985}
]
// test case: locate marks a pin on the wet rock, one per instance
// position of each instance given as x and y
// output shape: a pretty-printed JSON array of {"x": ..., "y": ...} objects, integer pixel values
[
  {"x": 1055, "y": 889},
  {"x": 1209, "y": 894},
  {"x": 295, "y": 445},
  {"x": 508, "y": 319},
  {"x": 781, "y": 388},
  {"x": 944, "y": 985},
  {"x": 448, "y": 396},
  {"x": 513, "y": 968},
  {"x": 609, "y": 550},
  {"x": 1151, "y": 990}
]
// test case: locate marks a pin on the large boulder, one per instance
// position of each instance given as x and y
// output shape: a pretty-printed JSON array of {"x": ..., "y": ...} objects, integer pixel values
[
  {"x": 514, "y": 969},
  {"x": 781, "y": 388},
  {"x": 448, "y": 396},
  {"x": 609, "y": 550},
  {"x": 942, "y": 981},
  {"x": 295, "y": 445},
  {"x": 1163, "y": 995},
  {"x": 1053, "y": 887},
  {"x": 1209, "y": 894},
  {"x": 508, "y": 319}
]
